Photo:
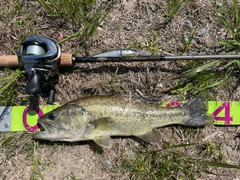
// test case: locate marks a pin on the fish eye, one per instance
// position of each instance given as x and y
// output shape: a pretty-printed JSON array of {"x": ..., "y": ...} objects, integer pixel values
[{"x": 52, "y": 115}]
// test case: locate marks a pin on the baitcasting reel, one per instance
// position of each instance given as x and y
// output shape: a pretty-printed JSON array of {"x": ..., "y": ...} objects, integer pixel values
[{"x": 40, "y": 57}]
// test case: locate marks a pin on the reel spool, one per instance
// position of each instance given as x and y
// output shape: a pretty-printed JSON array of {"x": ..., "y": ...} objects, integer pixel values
[
  {"x": 35, "y": 50},
  {"x": 38, "y": 49},
  {"x": 40, "y": 57}
]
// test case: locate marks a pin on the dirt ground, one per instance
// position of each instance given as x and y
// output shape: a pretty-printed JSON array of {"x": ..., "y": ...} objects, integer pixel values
[{"x": 127, "y": 23}]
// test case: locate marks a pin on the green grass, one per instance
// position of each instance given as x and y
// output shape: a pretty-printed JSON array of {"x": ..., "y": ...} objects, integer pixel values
[
  {"x": 203, "y": 76},
  {"x": 116, "y": 83},
  {"x": 36, "y": 170},
  {"x": 85, "y": 15},
  {"x": 8, "y": 86},
  {"x": 173, "y": 6},
  {"x": 150, "y": 45},
  {"x": 187, "y": 41},
  {"x": 170, "y": 162},
  {"x": 230, "y": 19},
  {"x": 200, "y": 84}
]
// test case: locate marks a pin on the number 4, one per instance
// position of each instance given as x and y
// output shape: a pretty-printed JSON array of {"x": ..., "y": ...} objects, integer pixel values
[{"x": 226, "y": 118}]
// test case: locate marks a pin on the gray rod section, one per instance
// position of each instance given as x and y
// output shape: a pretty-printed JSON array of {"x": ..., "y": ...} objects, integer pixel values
[{"x": 235, "y": 56}]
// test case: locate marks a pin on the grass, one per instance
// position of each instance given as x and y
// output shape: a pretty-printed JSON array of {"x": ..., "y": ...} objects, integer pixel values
[
  {"x": 187, "y": 41},
  {"x": 173, "y": 6},
  {"x": 230, "y": 19},
  {"x": 36, "y": 171},
  {"x": 83, "y": 14},
  {"x": 205, "y": 75},
  {"x": 200, "y": 84},
  {"x": 9, "y": 142},
  {"x": 170, "y": 162},
  {"x": 150, "y": 45},
  {"x": 116, "y": 83},
  {"x": 8, "y": 86},
  {"x": 201, "y": 79}
]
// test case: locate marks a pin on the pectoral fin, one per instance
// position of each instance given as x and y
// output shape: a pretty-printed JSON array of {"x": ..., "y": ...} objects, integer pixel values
[
  {"x": 103, "y": 141},
  {"x": 151, "y": 136},
  {"x": 103, "y": 124}
]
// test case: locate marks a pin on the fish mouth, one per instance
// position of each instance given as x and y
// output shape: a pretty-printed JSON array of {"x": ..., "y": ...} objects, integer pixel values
[
  {"x": 43, "y": 127},
  {"x": 44, "y": 132},
  {"x": 48, "y": 132}
]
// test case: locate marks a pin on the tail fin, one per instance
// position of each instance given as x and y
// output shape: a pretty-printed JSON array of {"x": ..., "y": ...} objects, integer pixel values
[{"x": 197, "y": 113}]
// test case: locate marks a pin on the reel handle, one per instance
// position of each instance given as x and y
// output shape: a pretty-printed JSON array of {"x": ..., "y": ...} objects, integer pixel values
[
  {"x": 33, "y": 83},
  {"x": 12, "y": 61}
]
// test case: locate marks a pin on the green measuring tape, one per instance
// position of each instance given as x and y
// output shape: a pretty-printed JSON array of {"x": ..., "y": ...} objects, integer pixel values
[{"x": 22, "y": 118}]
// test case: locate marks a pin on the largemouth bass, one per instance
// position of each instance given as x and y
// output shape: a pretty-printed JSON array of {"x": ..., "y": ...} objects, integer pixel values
[{"x": 99, "y": 117}]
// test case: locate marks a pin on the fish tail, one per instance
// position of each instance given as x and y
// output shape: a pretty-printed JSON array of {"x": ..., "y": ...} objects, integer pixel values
[{"x": 197, "y": 113}]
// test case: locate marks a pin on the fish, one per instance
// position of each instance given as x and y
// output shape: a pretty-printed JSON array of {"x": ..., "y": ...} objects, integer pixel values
[{"x": 98, "y": 118}]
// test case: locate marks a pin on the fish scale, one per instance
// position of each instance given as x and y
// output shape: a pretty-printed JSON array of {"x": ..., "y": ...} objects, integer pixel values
[{"x": 135, "y": 114}]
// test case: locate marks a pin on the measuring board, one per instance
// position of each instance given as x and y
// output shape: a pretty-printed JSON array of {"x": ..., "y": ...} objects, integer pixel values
[{"x": 22, "y": 118}]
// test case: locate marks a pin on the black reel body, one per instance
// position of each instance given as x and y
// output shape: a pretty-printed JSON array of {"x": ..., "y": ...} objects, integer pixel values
[{"x": 40, "y": 57}]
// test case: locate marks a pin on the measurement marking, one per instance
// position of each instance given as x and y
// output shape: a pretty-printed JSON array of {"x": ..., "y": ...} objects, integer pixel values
[
  {"x": 226, "y": 118},
  {"x": 24, "y": 117},
  {"x": 172, "y": 104}
]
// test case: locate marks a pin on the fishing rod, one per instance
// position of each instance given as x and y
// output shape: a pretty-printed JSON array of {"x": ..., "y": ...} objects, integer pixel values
[
  {"x": 41, "y": 58},
  {"x": 121, "y": 55}
]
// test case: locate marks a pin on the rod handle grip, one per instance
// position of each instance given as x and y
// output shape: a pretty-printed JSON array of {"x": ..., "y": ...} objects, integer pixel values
[
  {"x": 8, "y": 61},
  {"x": 66, "y": 60},
  {"x": 12, "y": 61}
]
